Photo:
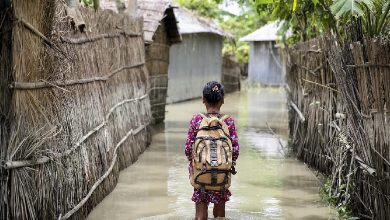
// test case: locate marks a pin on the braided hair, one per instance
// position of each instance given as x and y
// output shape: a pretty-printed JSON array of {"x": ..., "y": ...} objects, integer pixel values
[{"x": 213, "y": 92}]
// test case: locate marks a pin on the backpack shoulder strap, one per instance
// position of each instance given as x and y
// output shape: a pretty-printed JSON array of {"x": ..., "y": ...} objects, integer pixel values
[
  {"x": 202, "y": 115},
  {"x": 223, "y": 118},
  {"x": 224, "y": 125}
]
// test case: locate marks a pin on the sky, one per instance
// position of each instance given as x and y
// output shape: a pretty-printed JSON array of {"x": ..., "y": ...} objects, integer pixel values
[{"x": 232, "y": 7}]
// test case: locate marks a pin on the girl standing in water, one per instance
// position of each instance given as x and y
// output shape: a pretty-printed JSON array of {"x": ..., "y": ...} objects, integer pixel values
[{"x": 213, "y": 99}]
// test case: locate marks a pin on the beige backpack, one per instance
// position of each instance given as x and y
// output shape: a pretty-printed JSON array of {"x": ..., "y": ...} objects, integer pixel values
[{"x": 212, "y": 155}]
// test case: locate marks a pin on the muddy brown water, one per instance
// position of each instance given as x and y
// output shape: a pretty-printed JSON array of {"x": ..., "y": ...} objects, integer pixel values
[{"x": 267, "y": 186}]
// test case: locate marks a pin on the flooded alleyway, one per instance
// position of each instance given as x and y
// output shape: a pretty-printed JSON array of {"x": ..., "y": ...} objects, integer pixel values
[{"x": 267, "y": 186}]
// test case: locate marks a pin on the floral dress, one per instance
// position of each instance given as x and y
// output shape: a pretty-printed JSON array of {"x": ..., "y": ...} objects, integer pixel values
[{"x": 210, "y": 196}]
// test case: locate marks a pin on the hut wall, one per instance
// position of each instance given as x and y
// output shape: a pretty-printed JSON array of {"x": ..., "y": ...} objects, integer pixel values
[
  {"x": 157, "y": 62},
  {"x": 194, "y": 62},
  {"x": 339, "y": 121},
  {"x": 76, "y": 110},
  {"x": 231, "y": 74},
  {"x": 5, "y": 98},
  {"x": 264, "y": 64}
]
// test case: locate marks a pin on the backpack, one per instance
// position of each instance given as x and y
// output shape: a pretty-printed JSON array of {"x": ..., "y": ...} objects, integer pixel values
[{"x": 212, "y": 155}]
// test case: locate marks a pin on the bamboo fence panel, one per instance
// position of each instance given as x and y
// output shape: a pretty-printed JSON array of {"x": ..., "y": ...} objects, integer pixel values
[
  {"x": 342, "y": 91},
  {"x": 78, "y": 109},
  {"x": 311, "y": 84}
]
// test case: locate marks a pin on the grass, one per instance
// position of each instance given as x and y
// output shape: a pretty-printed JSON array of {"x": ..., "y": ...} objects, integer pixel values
[{"x": 343, "y": 210}]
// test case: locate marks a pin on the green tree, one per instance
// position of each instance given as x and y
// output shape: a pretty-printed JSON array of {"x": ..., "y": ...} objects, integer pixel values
[
  {"x": 311, "y": 18},
  {"x": 90, "y": 3},
  {"x": 306, "y": 18},
  {"x": 240, "y": 25},
  {"x": 373, "y": 14},
  {"x": 205, "y": 8}
]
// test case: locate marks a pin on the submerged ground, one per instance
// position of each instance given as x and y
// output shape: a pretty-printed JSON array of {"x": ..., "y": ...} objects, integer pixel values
[{"x": 267, "y": 186}]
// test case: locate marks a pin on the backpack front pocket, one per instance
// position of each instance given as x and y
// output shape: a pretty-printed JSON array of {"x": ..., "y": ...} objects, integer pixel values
[{"x": 213, "y": 179}]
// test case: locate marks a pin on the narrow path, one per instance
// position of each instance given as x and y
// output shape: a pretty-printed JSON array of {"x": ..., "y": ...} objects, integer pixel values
[{"x": 267, "y": 186}]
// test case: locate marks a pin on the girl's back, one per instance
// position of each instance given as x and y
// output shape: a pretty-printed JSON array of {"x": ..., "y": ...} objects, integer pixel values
[{"x": 213, "y": 98}]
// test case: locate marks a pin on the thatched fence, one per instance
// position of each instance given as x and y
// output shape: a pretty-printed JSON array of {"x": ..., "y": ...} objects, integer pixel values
[
  {"x": 231, "y": 73},
  {"x": 339, "y": 123},
  {"x": 157, "y": 62},
  {"x": 74, "y": 107}
]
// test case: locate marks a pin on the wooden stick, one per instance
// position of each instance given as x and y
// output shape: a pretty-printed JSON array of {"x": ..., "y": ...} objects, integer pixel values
[
  {"x": 368, "y": 65},
  {"x": 35, "y": 31},
  {"x": 318, "y": 84},
  {"x": 326, "y": 157},
  {"x": 318, "y": 68},
  {"x": 44, "y": 84},
  {"x": 158, "y": 104},
  {"x": 307, "y": 69},
  {"x": 313, "y": 51},
  {"x": 99, "y": 37},
  {"x": 281, "y": 150},
  {"x": 360, "y": 161},
  {"x": 24, "y": 163},
  {"x": 105, "y": 175},
  {"x": 38, "y": 33},
  {"x": 158, "y": 76},
  {"x": 55, "y": 85},
  {"x": 364, "y": 166},
  {"x": 158, "y": 88},
  {"x": 45, "y": 159},
  {"x": 158, "y": 59},
  {"x": 295, "y": 107}
]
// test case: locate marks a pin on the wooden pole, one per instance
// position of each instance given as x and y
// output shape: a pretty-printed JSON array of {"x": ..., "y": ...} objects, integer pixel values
[{"x": 295, "y": 107}]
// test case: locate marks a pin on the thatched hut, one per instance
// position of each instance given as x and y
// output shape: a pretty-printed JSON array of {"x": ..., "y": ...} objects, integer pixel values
[
  {"x": 264, "y": 61},
  {"x": 197, "y": 60},
  {"x": 160, "y": 32},
  {"x": 74, "y": 107}
]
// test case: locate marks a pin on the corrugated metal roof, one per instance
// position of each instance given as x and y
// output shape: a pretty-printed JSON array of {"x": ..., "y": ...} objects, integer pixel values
[
  {"x": 190, "y": 23},
  {"x": 153, "y": 12},
  {"x": 266, "y": 33}
]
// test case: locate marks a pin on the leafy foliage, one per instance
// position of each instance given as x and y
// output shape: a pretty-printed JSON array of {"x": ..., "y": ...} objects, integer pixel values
[
  {"x": 241, "y": 25},
  {"x": 306, "y": 18},
  {"x": 343, "y": 210},
  {"x": 91, "y": 3},
  {"x": 310, "y": 18},
  {"x": 373, "y": 14},
  {"x": 352, "y": 7},
  {"x": 206, "y": 8}
]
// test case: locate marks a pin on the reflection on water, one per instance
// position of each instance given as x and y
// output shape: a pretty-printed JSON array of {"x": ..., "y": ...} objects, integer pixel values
[{"x": 267, "y": 186}]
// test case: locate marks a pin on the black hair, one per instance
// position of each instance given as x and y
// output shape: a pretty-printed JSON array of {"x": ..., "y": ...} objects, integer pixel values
[{"x": 213, "y": 92}]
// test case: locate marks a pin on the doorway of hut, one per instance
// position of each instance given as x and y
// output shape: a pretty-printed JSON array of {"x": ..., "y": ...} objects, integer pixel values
[{"x": 268, "y": 185}]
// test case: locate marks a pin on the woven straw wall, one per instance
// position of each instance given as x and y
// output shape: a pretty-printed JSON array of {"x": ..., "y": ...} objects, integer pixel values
[
  {"x": 76, "y": 108},
  {"x": 157, "y": 62}
]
